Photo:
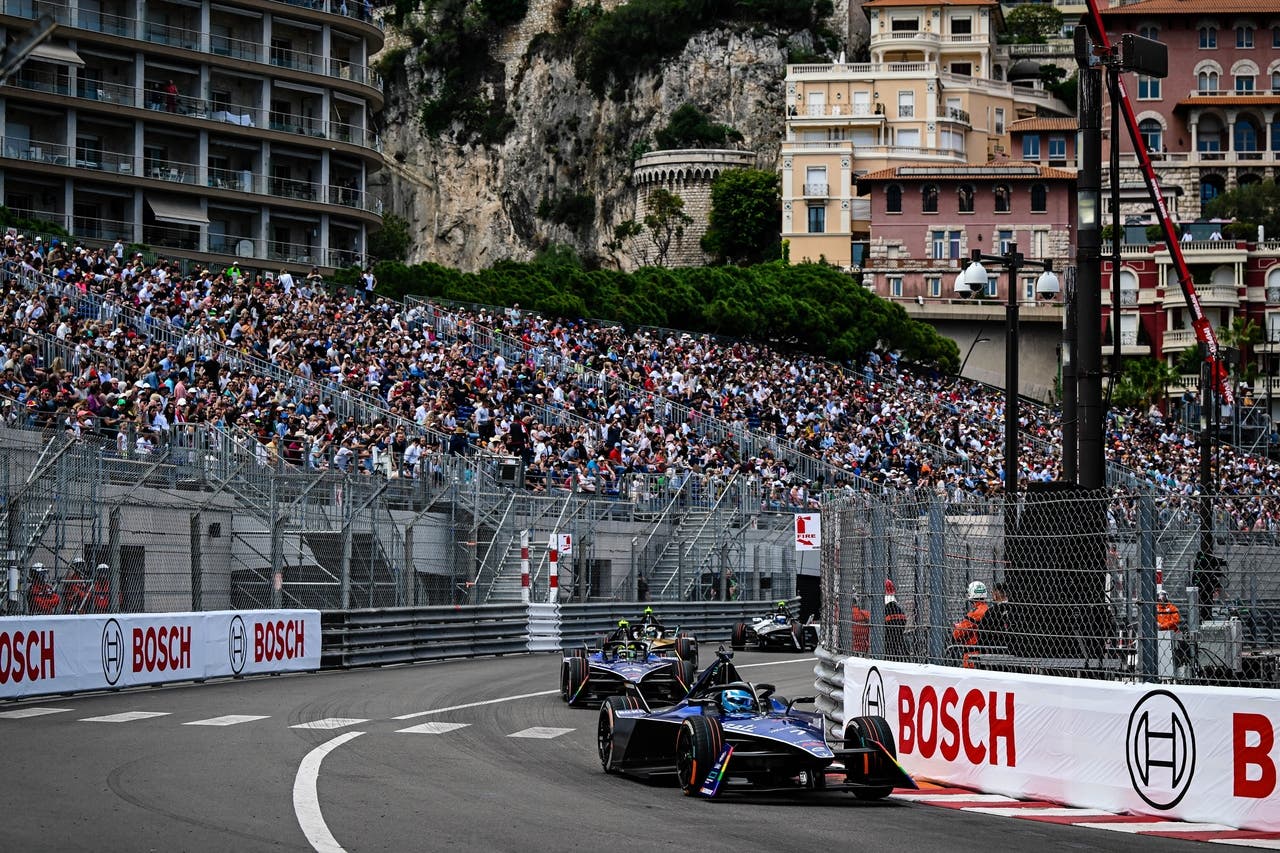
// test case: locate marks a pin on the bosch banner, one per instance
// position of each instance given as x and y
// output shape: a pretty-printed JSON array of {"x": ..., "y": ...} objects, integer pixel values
[
  {"x": 1202, "y": 754},
  {"x": 66, "y": 654}
]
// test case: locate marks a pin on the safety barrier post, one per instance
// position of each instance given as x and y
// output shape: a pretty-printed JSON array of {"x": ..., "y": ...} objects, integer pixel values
[
  {"x": 524, "y": 566},
  {"x": 553, "y": 578}
]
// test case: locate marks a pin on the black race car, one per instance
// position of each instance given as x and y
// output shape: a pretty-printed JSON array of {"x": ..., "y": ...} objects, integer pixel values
[
  {"x": 776, "y": 630},
  {"x": 623, "y": 665},
  {"x": 731, "y": 735}
]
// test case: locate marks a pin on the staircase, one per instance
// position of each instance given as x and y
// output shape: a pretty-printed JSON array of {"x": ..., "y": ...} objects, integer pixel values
[
  {"x": 691, "y": 541},
  {"x": 373, "y": 584}
]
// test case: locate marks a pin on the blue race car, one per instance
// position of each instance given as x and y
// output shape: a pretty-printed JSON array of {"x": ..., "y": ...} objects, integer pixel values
[
  {"x": 730, "y": 735},
  {"x": 624, "y": 665}
]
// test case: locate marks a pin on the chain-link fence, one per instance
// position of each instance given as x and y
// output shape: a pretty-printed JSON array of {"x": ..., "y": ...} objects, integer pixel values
[{"x": 1121, "y": 584}]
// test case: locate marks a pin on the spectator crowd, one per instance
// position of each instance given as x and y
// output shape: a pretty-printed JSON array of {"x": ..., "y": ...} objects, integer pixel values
[{"x": 131, "y": 351}]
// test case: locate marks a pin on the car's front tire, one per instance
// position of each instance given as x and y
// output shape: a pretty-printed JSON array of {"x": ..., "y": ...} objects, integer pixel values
[
  {"x": 698, "y": 746},
  {"x": 604, "y": 731},
  {"x": 687, "y": 648},
  {"x": 738, "y": 641},
  {"x": 860, "y": 732},
  {"x": 575, "y": 680},
  {"x": 684, "y": 672}
]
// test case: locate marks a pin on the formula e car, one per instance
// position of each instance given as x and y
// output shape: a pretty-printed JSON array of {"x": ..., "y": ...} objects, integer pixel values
[
  {"x": 621, "y": 665},
  {"x": 662, "y": 639},
  {"x": 729, "y": 735},
  {"x": 776, "y": 630}
]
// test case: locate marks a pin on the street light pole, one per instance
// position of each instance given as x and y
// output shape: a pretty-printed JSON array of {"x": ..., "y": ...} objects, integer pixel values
[{"x": 977, "y": 339}]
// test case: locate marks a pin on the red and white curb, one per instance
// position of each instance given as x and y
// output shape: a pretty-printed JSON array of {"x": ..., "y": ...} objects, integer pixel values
[{"x": 1046, "y": 812}]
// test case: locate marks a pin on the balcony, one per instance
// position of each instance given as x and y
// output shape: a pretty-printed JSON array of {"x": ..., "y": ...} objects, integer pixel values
[
  {"x": 815, "y": 190},
  {"x": 241, "y": 115},
  {"x": 906, "y": 152},
  {"x": 189, "y": 39},
  {"x": 178, "y": 172},
  {"x": 824, "y": 111},
  {"x": 1179, "y": 339},
  {"x": 906, "y": 111},
  {"x": 1210, "y": 296},
  {"x": 956, "y": 114}
]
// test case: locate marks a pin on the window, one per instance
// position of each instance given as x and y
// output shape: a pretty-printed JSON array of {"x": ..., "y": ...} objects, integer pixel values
[
  {"x": 1002, "y": 194},
  {"x": 1275, "y": 82},
  {"x": 938, "y": 247},
  {"x": 962, "y": 69},
  {"x": 906, "y": 104},
  {"x": 999, "y": 121},
  {"x": 1057, "y": 148},
  {"x": 929, "y": 198},
  {"x": 935, "y": 285},
  {"x": 1244, "y": 36},
  {"x": 1030, "y": 148},
  {"x": 893, "y": 198},
  {"x": 992, "y": 286},
  {"x": 1147, "y": 31},
  {"x": 817, "y": 220},
  {"x": 1208, "y": 38},
  {"x": 1039, "y": 198},
  {"x": 1028, "y": 289},
  {"x": 895, "y": 285},
  {"x": 961, "y": 26},
  {"x": 1207, "y": 81},
  {"x": 1152, "y": 134},
  {"x": 1244, "y": 82},
  {"x": 1246, "y": 135},
  {"x": 1210, "y": 188},
  {"x": 1003, "y": 238},
  {"x": 1275, "y": 36},
  {"x": 1275, "y": 134},
  {"x": 815, "y": 181},
  {"x": 905, "y": 25},
  {"x": 1148, "y": 88},
  {"x": 964, "y": 198},
  {"x": 953, "y": 243}
]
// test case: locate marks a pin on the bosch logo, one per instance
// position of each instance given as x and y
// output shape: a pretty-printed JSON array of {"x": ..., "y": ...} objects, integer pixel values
[
  {"x": 112, "y": 651},
  {"x": 237, "y": 644},
  {"x": 873, "y": 694},
  {"x": 1160, "y": 749}
]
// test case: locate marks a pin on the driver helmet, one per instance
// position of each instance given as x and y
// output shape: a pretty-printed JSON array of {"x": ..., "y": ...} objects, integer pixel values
[
  {"x": 622, "y": 623},
  {"x": 648, "y": 613},
  {"x": 781, "y": 607},
  {"x": 977, "y": 591},
  {"x": 736, "y": 701}
]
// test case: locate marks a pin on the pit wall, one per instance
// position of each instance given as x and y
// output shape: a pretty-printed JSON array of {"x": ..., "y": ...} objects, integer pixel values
[{"x": 1201, "y": 754}]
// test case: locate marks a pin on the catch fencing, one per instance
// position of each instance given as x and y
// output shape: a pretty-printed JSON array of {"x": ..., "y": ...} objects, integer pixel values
[{"x": 1123, "y": 584}]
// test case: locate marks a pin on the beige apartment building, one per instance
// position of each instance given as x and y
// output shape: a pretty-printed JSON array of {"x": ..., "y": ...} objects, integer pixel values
[{"x": 935, "y": 91}]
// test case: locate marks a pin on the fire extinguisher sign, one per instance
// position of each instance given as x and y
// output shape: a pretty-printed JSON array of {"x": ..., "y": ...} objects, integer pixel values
[{"x": 808, "y": 531}]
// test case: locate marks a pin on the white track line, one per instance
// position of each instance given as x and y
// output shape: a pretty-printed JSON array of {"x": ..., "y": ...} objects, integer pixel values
[
  {"x": 541, "y": 732},
  {"x": 773, "y": 663},
  {"x": 330, "y": 723},
  {"x": 306, "y": 796},
  {"x": 126, "y": 717},
  {"x": 1157, "y": 826},
  {"x": 1260, "y": 843},
  {"x": 432, "y": 728},
  {"x": 1063, "y": 811},
  {"x": 417, "y": 714},
  {"x": 228, "y": 720},
  {"x": 24, "y": 713}
]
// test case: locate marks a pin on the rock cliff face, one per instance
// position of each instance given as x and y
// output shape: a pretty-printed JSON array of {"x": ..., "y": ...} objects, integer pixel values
[{"x": 470, "y": 206}]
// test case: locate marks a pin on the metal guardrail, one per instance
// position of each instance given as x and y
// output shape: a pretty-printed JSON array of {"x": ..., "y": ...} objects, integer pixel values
[
  {"x": 708, "y": 621},
  {"x": 406, "y": 634},
  {"x": 829, "y": 680}
]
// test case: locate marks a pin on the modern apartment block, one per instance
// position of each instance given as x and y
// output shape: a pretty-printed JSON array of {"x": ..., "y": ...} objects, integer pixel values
[
  {"x": 231, "y": 130},
  {"x": 935, "y": 91}
]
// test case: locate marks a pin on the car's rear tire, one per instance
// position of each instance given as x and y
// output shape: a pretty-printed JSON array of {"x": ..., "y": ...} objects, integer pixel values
[
  {"x": 698, "y": 745},
  {"x": 604, "y": 731},
  {"x": 685, "y": 672},
  {"x": 860, "y": 732},
  {"x": 575, "y": 680},
  {"x": 687, "y": 648},
  {"x": 738, "y": 641},
  {"x": 576, "y": 652}
]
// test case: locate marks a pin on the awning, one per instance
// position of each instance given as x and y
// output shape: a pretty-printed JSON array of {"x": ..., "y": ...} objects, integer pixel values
[
  {"x": 179, "y": 211},
  {"x": 58, "y": 53}
]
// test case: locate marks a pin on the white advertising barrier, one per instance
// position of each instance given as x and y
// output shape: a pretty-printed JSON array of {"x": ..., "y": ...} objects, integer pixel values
[
  {"x": 1204, "y": 754},
  {"x": 66, "y": 654}
]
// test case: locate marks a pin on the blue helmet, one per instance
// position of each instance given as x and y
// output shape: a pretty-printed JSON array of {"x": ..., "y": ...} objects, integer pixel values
[{"x": 736, "y": 702}]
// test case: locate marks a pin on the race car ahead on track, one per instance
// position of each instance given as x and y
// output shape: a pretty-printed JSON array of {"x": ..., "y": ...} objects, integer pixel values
[
  {"x": 664, "y": 639},
  {"x": 627, "y": 664},
  {"x": 730, "y": 735},
  {"x": 776, "y": 630}
]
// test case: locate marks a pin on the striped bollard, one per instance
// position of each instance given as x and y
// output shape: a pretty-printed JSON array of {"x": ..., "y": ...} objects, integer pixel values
[
  {"x": 524, "y": 566},
  {"x": 553, "y": 578}
]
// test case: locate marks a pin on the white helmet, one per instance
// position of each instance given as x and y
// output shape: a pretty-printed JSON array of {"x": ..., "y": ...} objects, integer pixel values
[{"x": 977, "y": 591}]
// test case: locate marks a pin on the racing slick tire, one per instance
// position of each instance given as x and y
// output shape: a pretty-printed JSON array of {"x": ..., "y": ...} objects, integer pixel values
[
  {"x": 738, "y": 641},
  {"x": 698, "y": 746},
  {"x": 576, "y": 652},
  {"x": 604, "y": 731},
  {"x": 575, "y": 679},
  {"x": 685, "y": 672},
  {"x": 687, "y": 648},
  {"x": 860, "y": 732}
]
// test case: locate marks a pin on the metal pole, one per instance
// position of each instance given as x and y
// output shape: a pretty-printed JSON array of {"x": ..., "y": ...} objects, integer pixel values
[
  {"x": 937, "y": 628},
  {"x": 1148, "y": 652},
  {"x": 1206, "y": 453},
  {"x": 197, "y": 580},
  {"x": 1013, "y": 260},
  {"x": 1070, "y": 391},
  {"x": 1091, "y": 459},
  {"x": 1113, "y": 88},
  {"x": 875, "y": 577}
]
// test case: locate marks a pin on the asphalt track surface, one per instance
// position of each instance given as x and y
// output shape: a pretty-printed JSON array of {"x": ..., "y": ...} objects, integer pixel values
[{"x": 161, "y": 784}]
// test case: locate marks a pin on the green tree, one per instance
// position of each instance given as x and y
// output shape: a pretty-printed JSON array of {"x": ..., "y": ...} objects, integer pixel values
[
  {"x": 1244, "y": 334},
  {"x": 391, "y": 241},
  {"x": 1256, "y": 204},
  {"x": 690, "y": 127},
  {"x": 745, "y": 221},
  {"x": 1032, "y": 23},
  {"x": 1144, "y": 381}
]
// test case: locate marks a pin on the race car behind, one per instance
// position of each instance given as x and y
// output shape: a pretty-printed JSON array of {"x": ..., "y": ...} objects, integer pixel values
[{"x": 776, "y": 630}]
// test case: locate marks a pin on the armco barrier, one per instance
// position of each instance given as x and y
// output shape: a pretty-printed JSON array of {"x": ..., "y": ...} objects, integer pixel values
[
  {"x": 68, "y": 654},
  {"x": 404, "y": 634},
  {"x": 1194, "y": 753},
  {"x": 709, "y": 621}
]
